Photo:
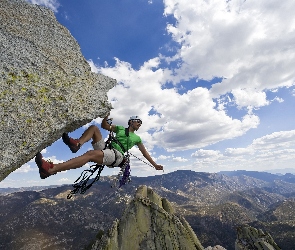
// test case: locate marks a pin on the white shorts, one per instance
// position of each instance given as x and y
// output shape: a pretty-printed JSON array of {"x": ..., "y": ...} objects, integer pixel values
[{"x": 109, "y": 155}]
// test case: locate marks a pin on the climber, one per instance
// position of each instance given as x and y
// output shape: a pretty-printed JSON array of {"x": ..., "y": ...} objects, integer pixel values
[{"x": 109, "y": 157}]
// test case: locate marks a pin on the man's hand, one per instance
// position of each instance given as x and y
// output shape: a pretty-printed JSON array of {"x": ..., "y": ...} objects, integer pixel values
[
  {"x": 106, "y": 123},
  {"x": 159, "y": 167}
]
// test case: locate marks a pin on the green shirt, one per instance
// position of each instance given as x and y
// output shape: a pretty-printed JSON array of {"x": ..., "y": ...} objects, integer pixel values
[{"x": 131, "y": 140}]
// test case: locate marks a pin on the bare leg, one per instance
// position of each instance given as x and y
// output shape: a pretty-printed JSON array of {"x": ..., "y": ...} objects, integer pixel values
[
  {"x": 92, "y": 132},
  {"x": 92, "y": 155}
]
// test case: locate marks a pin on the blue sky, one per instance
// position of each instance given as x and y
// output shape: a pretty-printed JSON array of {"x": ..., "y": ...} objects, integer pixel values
[{"x": 212, "y": 80}]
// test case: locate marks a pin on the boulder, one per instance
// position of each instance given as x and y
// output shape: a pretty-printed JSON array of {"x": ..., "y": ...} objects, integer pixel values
[{"x": 46, "y": 85}]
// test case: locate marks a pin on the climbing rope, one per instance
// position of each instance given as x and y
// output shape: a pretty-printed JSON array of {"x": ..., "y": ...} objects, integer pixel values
[
  {"x": 142, "y": 160},
  {"x": 81, "y": 184}
]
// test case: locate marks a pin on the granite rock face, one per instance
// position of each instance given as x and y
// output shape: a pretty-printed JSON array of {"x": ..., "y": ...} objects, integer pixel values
[
  {"x": 149, "y": 222},
  {"x": 251, "y": 238},
  {"x": 46, "y": 85}
]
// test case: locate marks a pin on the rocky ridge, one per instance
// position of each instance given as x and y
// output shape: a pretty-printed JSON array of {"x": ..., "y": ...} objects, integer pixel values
[
  {"x": 251, "y": 238},
  {"x": 46, "y": 85}
]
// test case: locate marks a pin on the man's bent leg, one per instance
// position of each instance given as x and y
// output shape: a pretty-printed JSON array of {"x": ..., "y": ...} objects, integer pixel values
[{"x": 93, "y": 133}]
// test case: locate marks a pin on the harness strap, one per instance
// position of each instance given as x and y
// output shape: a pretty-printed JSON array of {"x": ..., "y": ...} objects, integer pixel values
[
  {"x": 114, "y": 139},
  {"x": 115, "y": 157}
]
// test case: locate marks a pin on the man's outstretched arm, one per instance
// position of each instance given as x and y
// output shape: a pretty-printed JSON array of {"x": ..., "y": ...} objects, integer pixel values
[{"x": 148, "y": 157}]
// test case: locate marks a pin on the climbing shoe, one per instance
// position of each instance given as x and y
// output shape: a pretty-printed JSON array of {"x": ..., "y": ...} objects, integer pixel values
[
  {"x": 43, "y": 166},
  {"x": 73, "y": 144}
]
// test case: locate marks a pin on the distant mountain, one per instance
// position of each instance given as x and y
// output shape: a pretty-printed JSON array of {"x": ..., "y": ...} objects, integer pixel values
[
  {"x": 281, "y": 171},
  {"x": 22, "y": 189},
  {"x": 288, "y": 177},
  {"x": 214, "y": 204}
]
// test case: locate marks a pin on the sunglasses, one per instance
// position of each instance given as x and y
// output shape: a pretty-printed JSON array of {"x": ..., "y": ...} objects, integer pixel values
[{"x": 137, "y": 120}]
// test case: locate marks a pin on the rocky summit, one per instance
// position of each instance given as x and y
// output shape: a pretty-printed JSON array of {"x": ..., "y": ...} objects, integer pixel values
[
  {"x": 252, "y": 238},
  {"x": 46, "y": 85},
  {"x": 149, "y": 222}
]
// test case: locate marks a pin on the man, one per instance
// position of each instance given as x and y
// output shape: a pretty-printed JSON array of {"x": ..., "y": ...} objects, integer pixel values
[{"x": 110, "y": 157}]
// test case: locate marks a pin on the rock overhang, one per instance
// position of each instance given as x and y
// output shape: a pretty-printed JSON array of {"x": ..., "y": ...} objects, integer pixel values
[{"x": 46, "y": 85}]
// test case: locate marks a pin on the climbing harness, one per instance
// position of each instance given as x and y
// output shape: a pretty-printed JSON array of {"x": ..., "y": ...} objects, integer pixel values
[{"x": 125, "y": 170}]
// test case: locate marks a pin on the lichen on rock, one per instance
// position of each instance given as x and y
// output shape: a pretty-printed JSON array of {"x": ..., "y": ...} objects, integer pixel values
[{"x": 46, "y": 85}]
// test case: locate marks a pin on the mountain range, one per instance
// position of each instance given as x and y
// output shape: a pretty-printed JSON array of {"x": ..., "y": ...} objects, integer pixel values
[{"x": 214, "y": 204}]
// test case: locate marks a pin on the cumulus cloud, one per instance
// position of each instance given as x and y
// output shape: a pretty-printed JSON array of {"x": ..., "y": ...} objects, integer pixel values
[
  {"x": 204, "y": 154},
  {"x": 277, "y": 140},
  {"x": 267, "y": 152},
  {"x": 25, "y": 169},
  {"x": 51, "y": 4},
  {"x": 179, "y": 159},
  {"x": 249, "y": 44},
  {"x": 246, "y": 44},
  {"x": 173, "y": 121},
  {"x": 53, "y": 159},
  {"x": 234, "y": 152},
  {"x": 249, "y": 97},
  {"x": 163, "y": 157}
]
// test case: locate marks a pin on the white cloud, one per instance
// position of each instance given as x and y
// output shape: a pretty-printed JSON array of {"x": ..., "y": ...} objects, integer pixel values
[
  {"x": 51, "y": 4},
  {"x": 275, "y": 140},
  {"x": 206, "y": 154},
  {"x": 265, "y": 153},
  {"x": 44, "y": 151},
  {"x": 249, "y": 97},
  {"x": 246, "y": 43},
  {"x": 64, "y": 180},
  {"x": 179, "y": 122},
  {"x": 278, "y": 99},
  {"x": 234, "y": 152},
  {"x": 179, "y": 159},
  {"x": 163, "y": 157},
  {"x": 25, "y": 169},
  {"x": 249, "y": 43}
]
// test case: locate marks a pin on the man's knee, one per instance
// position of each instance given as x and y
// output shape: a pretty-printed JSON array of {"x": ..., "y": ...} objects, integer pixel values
[
  {"x": 93, "y": 127},
  {"x": 95, "y": 155},
  {"x": 95, "y": 130},
  {"x": 96, "y": 133}
]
